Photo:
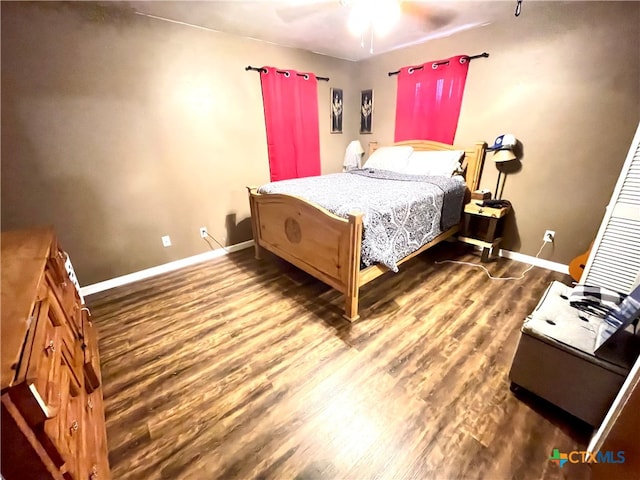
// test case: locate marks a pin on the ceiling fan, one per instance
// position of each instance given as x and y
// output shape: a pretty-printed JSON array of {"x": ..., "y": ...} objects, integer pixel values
[
  {"x": 370, "y": 18},
  {"x": 377, "y": 15}
]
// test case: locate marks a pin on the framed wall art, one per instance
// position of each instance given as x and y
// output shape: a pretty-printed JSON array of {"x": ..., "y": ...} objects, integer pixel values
[
  {"x": 366, "y": 111},
  {"x": 336, "y": 110}
]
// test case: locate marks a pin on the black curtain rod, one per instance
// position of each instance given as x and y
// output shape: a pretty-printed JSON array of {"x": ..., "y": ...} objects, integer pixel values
[
  {"x": 482, "y": 55},
  {"x": 256, "y": 69}
]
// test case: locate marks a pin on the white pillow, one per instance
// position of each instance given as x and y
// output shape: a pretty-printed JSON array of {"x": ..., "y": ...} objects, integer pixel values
[
  {"x": 444, "y": 163},
  {"x": 392, "y": 158}
]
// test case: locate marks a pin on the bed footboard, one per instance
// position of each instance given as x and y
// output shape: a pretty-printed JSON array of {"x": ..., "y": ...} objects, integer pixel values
[
  {"x": 311, "y": 238},
  {"x": 327, "y": 246}
]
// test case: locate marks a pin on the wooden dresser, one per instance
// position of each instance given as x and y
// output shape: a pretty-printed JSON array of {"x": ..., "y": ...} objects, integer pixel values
[{"x": 52, "y": 409}]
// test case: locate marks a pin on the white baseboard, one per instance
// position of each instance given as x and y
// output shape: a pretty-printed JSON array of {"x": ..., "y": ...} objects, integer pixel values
[
  {"x": 538, "y": 262},
  {"x": 185, "y": 262},
  {"x": 167, "y": 267}
]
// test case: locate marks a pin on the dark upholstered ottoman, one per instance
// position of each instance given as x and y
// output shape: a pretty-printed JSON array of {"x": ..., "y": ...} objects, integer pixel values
[{"x": 555, "y": 358}]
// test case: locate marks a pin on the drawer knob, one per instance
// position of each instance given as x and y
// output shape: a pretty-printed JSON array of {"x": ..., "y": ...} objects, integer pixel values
[
  {"x": 50, "y": 347},
  {"x": 74, "y": 427}
]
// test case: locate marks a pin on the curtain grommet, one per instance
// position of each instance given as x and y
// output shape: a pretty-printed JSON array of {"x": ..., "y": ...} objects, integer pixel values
[
  {"x": 287, "y": 74},
  {"x": 410, "y": 70},
  {"x": 434, "y": 66},
  {"x": 463, "y": 60},
  {"x": 306, "y": 76}
]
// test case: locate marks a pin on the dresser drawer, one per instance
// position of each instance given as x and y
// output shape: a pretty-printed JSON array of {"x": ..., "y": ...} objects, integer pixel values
[
  {"x": 39, "y": 396},
  {"x": 66, "y": 294},
  {"x": 71, "y": 339},
  {"x": 91, "y": 358},
  {"x": 73, "y": 438},
  {"x": 61, "y": 435},
  {"x": 45, "y": 358},
  {"x": 55, "y": 264},
  {"x": 50, "y": 432},
  {"x": 96, "y": 441}
]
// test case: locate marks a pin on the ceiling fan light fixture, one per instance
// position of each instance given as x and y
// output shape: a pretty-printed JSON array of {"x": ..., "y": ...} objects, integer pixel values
[
  {"x": 384, "y": 16},
  {"x": 377, "y": 15},
  {"x": 359, "y": 19}
]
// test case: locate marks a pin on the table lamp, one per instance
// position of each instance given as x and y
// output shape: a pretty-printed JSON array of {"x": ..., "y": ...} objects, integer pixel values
[{"x": 353, "y": 156}]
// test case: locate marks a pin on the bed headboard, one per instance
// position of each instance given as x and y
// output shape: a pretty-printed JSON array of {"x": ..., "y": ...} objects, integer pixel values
[{"x": 473, "y": 157}]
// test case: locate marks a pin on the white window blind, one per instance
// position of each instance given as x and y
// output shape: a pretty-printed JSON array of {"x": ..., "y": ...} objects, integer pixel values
[{"x": 614, "y": 261}]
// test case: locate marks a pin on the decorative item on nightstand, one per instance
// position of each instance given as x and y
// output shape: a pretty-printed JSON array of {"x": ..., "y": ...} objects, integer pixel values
[
  {"x": 481, "y": 195},
  {"x": 502, "y": 152}
]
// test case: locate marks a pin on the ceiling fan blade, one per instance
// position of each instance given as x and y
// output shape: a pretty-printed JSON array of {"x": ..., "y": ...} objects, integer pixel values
[
  {"x": 300, "y": 10},
  {"x": 428, "y": 14}
]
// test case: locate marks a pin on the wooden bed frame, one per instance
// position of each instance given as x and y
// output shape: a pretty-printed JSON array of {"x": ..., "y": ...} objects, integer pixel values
[{"x": 327, "y": 246}]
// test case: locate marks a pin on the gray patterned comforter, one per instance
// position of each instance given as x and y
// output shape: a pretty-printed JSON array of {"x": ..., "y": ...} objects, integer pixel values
[{"x": 401, "y": 212}]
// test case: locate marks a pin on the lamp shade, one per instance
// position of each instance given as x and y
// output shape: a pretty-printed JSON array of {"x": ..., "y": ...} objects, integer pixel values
[
  {"x": 356, "y": 147},
  {"x": 505, "y": 155},
  {"x": 353, "y": 156}
]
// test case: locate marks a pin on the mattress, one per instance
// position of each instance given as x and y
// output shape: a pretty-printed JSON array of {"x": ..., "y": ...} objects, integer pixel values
[{"x": 401, "y": 212}]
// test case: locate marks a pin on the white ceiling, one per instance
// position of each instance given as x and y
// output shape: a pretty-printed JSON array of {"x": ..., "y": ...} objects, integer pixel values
[{"x": 321, "y": 25}]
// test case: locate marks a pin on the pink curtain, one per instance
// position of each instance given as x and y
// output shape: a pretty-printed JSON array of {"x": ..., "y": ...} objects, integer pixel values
[
  {"x": 291, "y": 118},
  {"x": 429, "y": 99}
]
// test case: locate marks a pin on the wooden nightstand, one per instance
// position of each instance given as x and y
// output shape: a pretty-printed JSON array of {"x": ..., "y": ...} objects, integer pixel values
[{"x": 483, "y": 226}]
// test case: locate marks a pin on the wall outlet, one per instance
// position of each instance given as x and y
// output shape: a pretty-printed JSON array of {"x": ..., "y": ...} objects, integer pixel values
[
  {"x": 549, "y": 236},
  {"x": 166, "y": 241},
  {"x": 203, "y": 232}
]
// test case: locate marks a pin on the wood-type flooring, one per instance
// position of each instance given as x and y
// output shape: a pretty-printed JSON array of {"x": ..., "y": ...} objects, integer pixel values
[{"x": 244, "y": 369}]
